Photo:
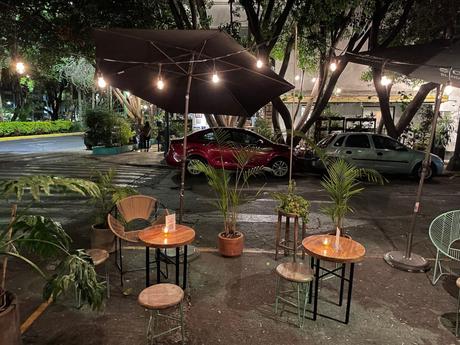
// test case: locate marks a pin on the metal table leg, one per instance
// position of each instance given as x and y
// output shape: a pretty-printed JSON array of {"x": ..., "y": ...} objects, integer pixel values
[
  {"x": 147, "y": 266},
  {"x": 315, "y": 298},
  {"x": 177, "y": 266},
  {"x": 157, "y": 253},
  {"x": 342, "y": 281},
  {"x": 184, "y": 279},
  {"x": 350, "y": 286}
]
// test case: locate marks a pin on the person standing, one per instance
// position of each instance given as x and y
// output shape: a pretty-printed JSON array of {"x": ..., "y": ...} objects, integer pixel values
[{"x": 146, "y": 133}]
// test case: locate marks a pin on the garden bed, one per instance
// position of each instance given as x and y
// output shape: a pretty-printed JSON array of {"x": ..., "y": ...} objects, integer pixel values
[
  {"x": 102, "y": 150},
  {"x": 19, "y": 128}
]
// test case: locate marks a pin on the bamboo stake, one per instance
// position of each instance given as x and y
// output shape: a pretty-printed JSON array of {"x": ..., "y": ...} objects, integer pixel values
[
  {"x": 35, "y": 315},
  {"x": 14, "y": 208}
]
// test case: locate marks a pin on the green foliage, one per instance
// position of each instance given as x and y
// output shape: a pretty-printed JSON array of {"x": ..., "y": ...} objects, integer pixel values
[
  {"x": 78, "y": 71},
  {"x": 109, "y": 195},
  {"x": 263, "y": 127},
  {"x": 341, "y": 184},
  {"x": 444, "y": 128},
  {"x": 28, "y": 83},
  {"x": 292, "y": 203},
  {"x": 230, "y": 194},
  {"x": 36, "y": 127},
  {"x": 107, "y": 127},
  {"x": 45, "y": 239},
  {"x": 76, "y": 271}
]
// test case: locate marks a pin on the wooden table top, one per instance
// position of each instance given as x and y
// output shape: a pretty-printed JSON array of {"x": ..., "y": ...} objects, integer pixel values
[
  {"x": 323, "y": 247},
  {"x": 156, "y": 238}
]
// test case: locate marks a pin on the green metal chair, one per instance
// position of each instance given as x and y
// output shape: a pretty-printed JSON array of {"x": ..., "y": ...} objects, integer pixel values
[{"x": 444, "y": 233}]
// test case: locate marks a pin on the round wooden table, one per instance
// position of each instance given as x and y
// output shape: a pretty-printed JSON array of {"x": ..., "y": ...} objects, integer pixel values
[
  {"x": 155, "y": 237},
  {"x": 347, "y": 251}
]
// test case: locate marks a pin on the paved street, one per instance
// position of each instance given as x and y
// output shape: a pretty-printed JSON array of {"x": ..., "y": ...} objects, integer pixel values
[{"x": 72, "y": 143}]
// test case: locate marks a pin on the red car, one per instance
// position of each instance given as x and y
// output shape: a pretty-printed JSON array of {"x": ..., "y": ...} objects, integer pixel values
[{"x": 203, "y": 146}]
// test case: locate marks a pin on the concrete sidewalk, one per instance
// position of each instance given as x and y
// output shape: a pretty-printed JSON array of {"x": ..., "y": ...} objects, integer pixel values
[{"x": 231, "y": 302}]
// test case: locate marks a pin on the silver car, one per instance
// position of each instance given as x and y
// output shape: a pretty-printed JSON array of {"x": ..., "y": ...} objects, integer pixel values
[{"x": 379, "y": 152}]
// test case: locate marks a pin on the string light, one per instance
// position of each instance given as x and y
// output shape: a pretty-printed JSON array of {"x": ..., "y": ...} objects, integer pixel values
[
  {"x": 385, "y": 81},
  {"x": 101, "y": 82},
  {"x": 20, "y": 67},
  {"x": 313, "y": 80},
  {"x": 160, "y": 82},
  {"x": 333, "y": 66},
  {"x": 297, "y": 77},
  {"x": 259, "y": 63},
  {"x": 338, "y": 91},
  {"x": 215, "y": 77}
]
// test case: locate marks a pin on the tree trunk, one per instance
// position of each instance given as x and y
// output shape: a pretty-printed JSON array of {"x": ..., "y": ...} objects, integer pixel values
[
  {"x": 241, "y": 121},
  {"x": 454, "y": 161},
  {"x": 383, "y": 93},
  {"x": 285, "y": 114},
  {"x": 219, "y": 120},
  {"x": 211, "y": 120},
  {"x": 80, "y": 106}
]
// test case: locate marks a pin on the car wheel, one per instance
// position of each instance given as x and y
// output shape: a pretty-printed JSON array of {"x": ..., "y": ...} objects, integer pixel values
[
  {"x": 280, "y": 167},
  {"x": 191, "y": 170},
  {"x": 418, "y": 171}
]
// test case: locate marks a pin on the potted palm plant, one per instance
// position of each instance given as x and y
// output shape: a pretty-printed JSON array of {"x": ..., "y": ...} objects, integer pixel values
[
  {"x": 230, "y": 195},
  {"x": 342, "y": 182},
  {"x": 32, "y": 239},
  {"x": 101, "y": 236},
  {"x": 292, "y": 203}
]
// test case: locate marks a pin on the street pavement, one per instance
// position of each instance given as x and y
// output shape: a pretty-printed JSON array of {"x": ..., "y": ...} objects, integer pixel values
[
  {"x": 230, "y": 300},
  {"x": 70, "y": 143}
]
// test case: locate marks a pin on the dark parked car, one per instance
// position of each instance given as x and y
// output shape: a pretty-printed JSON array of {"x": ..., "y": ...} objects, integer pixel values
[{"x": 203, "y": 146}]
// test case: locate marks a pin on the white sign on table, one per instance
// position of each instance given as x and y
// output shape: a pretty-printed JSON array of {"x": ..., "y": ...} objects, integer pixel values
[{"x": 170, "y": 222}]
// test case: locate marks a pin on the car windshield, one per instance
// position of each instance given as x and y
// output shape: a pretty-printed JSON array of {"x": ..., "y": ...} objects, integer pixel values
[{"x": 323, "y": 143}]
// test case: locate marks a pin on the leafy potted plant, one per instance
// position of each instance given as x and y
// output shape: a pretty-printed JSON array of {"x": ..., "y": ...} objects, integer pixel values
[
  {"x": 444, "y": 129},
  {"x": 293, "y": 203},
  {"x": 342, "y": 182},
  {"x": 101, "y": 236},
  {"x": 230, "y": 195},
  {"x": 31, "y": 237}
]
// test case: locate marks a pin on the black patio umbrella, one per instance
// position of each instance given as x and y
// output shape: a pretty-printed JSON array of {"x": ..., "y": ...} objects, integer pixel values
[
  {"x": 438, "y": 62},
  {"x": 182, "y": 71}
]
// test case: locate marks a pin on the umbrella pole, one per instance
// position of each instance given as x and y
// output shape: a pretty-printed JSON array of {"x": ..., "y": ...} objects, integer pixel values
[
  {"x": 184, "y": 152},
  {"x": 408, "y": 261}
]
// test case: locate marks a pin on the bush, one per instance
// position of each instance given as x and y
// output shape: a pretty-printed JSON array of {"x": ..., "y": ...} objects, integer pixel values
[
  {"x": 8, "y": 129},
  {"x": 107, "y": 128}
]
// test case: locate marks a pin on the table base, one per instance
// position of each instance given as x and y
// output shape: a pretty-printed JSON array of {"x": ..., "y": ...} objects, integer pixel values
[{"x": 162, "y": 257}]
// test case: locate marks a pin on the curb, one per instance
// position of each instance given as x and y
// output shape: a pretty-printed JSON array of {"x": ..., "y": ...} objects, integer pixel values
[{"x": 38, "y": 136}]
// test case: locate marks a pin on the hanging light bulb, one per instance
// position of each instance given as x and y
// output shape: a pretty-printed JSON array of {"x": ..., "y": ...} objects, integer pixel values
[
  {"x": 215, "y": 77},
  {"x": 385, "y": 81},
  {"x": 338, "y": 91},
  {"x": 101, "y": 82},
  {"x": 297, "y": 77},
  {"x": 333, "y": 66},
  {"x": 20, "y": 67},
  {"x": 160, "y": 82},
  {"x": 259, "y": 63},
  {"x": 313, "y": 80},
  {"x": 448, "y": 89}
]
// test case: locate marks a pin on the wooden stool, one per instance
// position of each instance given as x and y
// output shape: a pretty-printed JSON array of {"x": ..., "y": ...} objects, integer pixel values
[
  {"x": 160, "y": 297},
  {"x": 300, "y": 275},
  {"x": 286, "y": 243}
]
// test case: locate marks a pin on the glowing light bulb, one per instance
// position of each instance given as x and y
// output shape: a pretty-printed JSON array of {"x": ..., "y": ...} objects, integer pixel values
[
  {"x": 333, "y": 66},
  {"x": 385, "y": 81},
  {"x": 448, "y": 89},
  {"x": 297, "y": 77},
  {"x": 313, "y": 80},
  {"x": 101, "y": 82},
  {"x": 160, "y": 84},
  {"x": 20, "y": 67},
  {"x": 259, "y": 63},
  {"x": 128, "y": 93},
  {"x": 339, "y": 90},
  {"x": 215, "y": 78}
]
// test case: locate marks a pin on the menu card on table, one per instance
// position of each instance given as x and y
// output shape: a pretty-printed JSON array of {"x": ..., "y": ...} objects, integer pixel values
[{"x": 170, "y": 222}]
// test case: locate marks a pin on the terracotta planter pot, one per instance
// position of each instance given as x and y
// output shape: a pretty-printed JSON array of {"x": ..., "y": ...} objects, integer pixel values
[
  {"x": 231, "y": 247},
  {"x": 102, "y": 238},
  {"x": 9, "y": 323}
]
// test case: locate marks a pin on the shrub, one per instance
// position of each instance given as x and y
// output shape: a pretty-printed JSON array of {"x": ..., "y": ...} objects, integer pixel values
[{"x": 37, "y": 127}]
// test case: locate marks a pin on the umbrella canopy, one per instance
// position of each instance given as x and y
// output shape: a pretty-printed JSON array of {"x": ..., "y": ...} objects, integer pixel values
[
  {"x": 133, "y": 60},
  {"x": 438, "y": 61}
]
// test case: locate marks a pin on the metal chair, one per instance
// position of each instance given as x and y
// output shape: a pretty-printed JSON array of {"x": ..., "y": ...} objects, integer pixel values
[{"x": 444, "y": 233}]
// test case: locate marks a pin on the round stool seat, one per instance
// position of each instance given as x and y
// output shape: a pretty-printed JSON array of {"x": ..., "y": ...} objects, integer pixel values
[
  {"x": 161, "y": 296},
  {"x": 295, "y": 272},
  {"x": 458, "y": 282},
  {"x": 98, "y": 256}
]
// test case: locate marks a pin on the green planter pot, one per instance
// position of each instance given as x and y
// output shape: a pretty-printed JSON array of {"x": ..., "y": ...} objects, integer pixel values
[{"x": 102, "y": 150}]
